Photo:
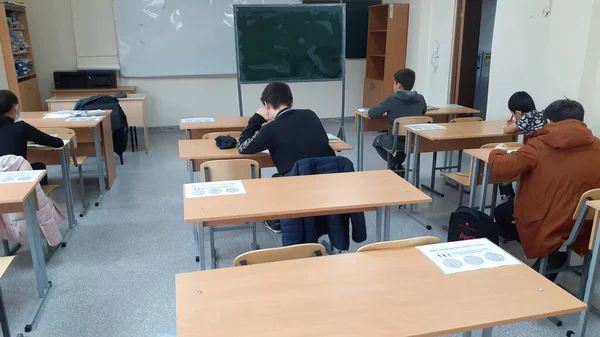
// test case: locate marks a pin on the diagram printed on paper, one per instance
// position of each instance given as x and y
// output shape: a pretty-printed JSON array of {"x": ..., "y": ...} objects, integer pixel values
[
  {"x": 212, "y": 189},
  {"x": 19, "y": 177}
]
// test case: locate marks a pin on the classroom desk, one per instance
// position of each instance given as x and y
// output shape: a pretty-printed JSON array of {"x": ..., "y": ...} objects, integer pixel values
[
  {"x": 198, "y": 151},
  {"x": 481, "y": 156},
  {"x": 21, "y": 197},
  {"x": 4, "y": 264},
  {"x": 221, "y": 124},
  {"x": 455, "y": 136},
  {"x": 398, "y": 293},
  {"x": 594, "y": 247},
  {"x": 92, "y": 92},
  {"x": 365, "y": 124},
  {"x": 302, "y": 196},
  {"x": 94, "y": 139},
  {"x": 47, "y": 155},
  {"x": 134, "y": 106}
]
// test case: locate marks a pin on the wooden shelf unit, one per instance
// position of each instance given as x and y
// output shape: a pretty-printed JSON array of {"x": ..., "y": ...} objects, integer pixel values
[
  {"x": 26, "y": 87},
  {"x": 386, "y": 50}
]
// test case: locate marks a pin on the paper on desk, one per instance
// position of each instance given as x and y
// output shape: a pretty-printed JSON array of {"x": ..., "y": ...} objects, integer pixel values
[
  {"x": 212, "y": 189},
  {"x": 468, "y": 255},
  {"x": 443, "y": 106},
  {"x": 60, "y": 114},
  {"x": 332, "y": 138},
  {"x": 422, "y": 127},
  {"x": 82, "y": 119},
  {"x": 198, "y": 120},
  {"x": 363, "y": 110},
  {"x": 511, "y": 151},
  {"x": 19, "y": 177}
]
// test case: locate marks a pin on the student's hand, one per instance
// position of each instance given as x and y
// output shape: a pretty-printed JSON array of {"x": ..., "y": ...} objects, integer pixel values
[
  {"x": 518, "y": 115},
  {"x": 264, "y": 113},
  {"x": 502, "y": 147}
]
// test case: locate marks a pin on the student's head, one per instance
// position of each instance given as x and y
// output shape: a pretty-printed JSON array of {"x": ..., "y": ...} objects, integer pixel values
[
  {"x": 521, "y": 102},
  {"x": 8, "y": 103},
  {"x": 404, "y": 79},
  {"x": 564, "y": 109},
  {"x": 275, "y": 97}
]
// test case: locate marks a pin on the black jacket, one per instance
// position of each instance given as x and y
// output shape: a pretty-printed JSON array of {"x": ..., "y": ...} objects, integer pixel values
[
  {"x": 293, "y": 135},
  {"x": 400, "y": 104},
  {"x": 308, "y": 230},
  {"x": 15, "y": 135}
]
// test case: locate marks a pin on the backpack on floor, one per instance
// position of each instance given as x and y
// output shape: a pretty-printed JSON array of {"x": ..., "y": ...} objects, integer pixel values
[{"x": 469, "y": 223}]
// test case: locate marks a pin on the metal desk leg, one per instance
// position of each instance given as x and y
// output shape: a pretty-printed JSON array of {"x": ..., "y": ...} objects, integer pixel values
[
  {"x": 487, "y": 332},
  {"x": 213, "y": 250},
  {"x": 65, "y": 166},
  {"x": 200, "y": 231},
  {"x": 484, "y": 185},
  {"x": 191, "y": 170},
  {"x": 494, "y": 200},
  {"x": 416, "y": 163},
  {"x": 431, "y": 187},
  {"x": 4, "y": 318},
  {"x": 100, "y": 162},
  {"x": 360, "y": 144},
  {"x": 387, "y": 223},
  {"x": 589, "y": 288},
  {"x": 473, "y": 186},
  {"x": 37, "y": 258},
  {"x": 408, "y": 150},
  {"x": 379, "y": 216}
]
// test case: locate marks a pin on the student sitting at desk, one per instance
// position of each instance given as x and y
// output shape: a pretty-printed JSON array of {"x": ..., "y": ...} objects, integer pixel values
[
  {"x": 15, "y": 135},
  {"x": 525, "y": 118},
  {"x": 557, "y": 165},
  {"x": 403, "y": 103}
]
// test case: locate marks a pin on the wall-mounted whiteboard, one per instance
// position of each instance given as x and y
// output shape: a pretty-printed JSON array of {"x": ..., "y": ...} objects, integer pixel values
[{"x": 160, "y": 38}]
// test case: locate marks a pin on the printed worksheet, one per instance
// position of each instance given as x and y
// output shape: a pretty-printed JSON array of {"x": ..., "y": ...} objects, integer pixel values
[
  {"x": 198, "y": 120},
  {"x": 212, "y": 189},
  {"x": 468, "y": 255},
  {"x": 423, "y": 127},
  {"x": 332, "y": 138},
  {"x": 82, "y": 119},
  {"x": 19, "y": 177}
]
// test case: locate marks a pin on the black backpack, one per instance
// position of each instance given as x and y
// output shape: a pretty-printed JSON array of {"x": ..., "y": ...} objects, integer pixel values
[{"x": 468, "y": 223}]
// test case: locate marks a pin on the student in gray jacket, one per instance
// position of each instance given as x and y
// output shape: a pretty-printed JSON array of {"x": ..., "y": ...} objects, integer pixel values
[{"x": 402, "y": 103}]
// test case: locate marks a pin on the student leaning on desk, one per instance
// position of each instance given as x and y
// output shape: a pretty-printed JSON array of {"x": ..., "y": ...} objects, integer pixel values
[
  {"x": 15, "y": 135},
  {"x": 556, "y": 166}
]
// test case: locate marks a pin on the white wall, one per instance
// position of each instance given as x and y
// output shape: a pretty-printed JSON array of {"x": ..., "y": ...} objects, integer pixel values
[{"x": 540, "y": 55}]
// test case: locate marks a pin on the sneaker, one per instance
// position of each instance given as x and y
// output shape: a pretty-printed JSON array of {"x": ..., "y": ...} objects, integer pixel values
[
  {"x": 273, "y": 225},
  {"x": 555, "y": 260}
]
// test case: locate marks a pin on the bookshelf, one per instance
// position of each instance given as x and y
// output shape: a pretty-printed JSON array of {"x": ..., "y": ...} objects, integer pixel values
[
  {"x": 18, "y": 56},
  {"x": 386, "y": 50}
]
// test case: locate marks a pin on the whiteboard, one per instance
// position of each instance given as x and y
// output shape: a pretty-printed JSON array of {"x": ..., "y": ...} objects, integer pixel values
[{"x": 168, "y": 38}]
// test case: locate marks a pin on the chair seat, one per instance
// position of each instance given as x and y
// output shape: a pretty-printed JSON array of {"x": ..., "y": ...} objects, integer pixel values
[
  {"x": 49, "y": 188},
  {"x": 462, "y": 178},
  {"x": 80, "y": 160}
]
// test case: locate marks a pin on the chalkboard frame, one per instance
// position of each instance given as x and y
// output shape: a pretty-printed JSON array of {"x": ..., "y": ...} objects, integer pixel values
[{"x": 341, "y": 133}]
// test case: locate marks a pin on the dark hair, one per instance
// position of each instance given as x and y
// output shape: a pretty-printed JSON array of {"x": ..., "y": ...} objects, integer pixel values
[
  {"x": 277, "y": 94},
  {"x": 406, "y": 77},
  {"x": 7, "y": 101},
  {"x": 521, "y": 101},
  {"x": 564, "y": 109}
]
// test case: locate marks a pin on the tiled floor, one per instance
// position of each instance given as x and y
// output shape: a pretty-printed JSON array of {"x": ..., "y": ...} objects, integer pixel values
[{"x": 116, "y": 277}]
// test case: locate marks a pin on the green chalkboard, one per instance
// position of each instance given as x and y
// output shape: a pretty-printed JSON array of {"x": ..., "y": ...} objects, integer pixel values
[{"x": 290, "y": 42}]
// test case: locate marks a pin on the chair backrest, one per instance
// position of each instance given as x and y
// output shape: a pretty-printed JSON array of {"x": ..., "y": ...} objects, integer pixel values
[
  {"x": 61, "y": 131},
  {"x": 280, "y": 254},
  {"x": 400, "y": 122},
  {"x": 509, "y": 144},
  {"x": 235, "y": 169},
  {"x": 399, "y": 244},
  {"x": 213, "y": 135},
  {"x": 587, "y": 196},
  {"x": 466, "y": 119}
]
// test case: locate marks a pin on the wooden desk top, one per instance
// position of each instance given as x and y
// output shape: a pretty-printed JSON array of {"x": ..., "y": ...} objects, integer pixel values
[
  {"x": 37, "y": 119},
  {"x": 77, "y": 97},
  {"x": 90, "y": 92},
  {"x": 291, "y": 197},
  {"x": 484, "y": 154},
  {"x": 206, "y": 149},
  {"x": 63, "y": 136},
  {"x": 466, "y": 130},
  {"x": 234, "y": 123},
  {"x": 13, "y": 195},
  {"x": 380, "y": 293},
  {"x": 437, "y": 112},
  {"x": 5, "y": 263}
]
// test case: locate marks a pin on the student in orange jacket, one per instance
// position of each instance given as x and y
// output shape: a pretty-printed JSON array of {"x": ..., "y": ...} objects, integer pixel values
[{"x": 557, "y": 165}]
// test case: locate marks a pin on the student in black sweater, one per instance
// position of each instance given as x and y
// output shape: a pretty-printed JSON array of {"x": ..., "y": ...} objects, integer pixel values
[
  {"x": 292, "y": 134},
  {"x": 15, "y": 135}
]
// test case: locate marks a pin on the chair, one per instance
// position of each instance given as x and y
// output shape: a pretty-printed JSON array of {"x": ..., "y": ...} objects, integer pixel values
[
  {"x": 221, "y": 170},
  {"x": 213, "y": 135},
  {"x": 76, "y": 161},
  {"x": 295, "y": 252},
  {"x": 399, "y": 244},
  {"x": 582, "y": 213},
  {"x": 399, "y": 130}
]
